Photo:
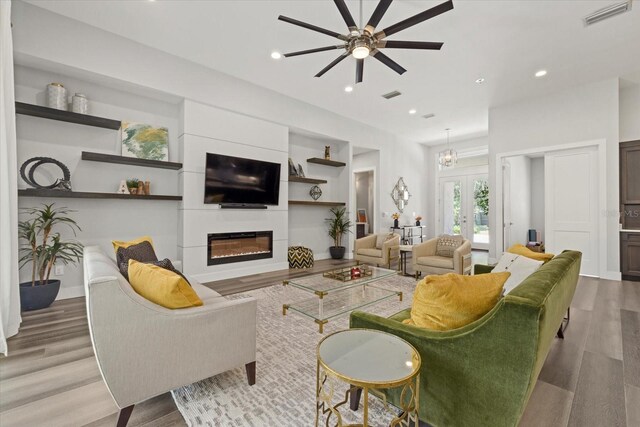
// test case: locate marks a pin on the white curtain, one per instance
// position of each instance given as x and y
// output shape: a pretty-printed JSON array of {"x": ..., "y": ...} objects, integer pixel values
[{"x": 9, "y": 290}]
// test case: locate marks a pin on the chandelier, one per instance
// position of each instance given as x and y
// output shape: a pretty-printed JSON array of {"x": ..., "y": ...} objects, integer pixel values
[{"x": 448, "y": 157}]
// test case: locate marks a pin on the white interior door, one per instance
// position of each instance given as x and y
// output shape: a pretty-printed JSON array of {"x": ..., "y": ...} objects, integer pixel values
[
  {"x": 464, "y": 208},
  {"x": 571, "y": 204}
]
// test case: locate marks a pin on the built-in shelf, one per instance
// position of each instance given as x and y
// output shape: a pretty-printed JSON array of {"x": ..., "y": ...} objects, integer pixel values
[
  {"x": 37, "y": 192},
  {"x": 66, "y": 116},
  {"x": 293, "y": 178},
  {"x": 312, "y": 203},
  {"x": 112, "y": 158},
  {"x": 326, "y": 162}
]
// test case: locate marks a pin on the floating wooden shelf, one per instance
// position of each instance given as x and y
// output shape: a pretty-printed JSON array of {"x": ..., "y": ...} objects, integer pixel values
[
  {"x": 293, "y": 178},
  {"x": 66, "y": 116},
  {"x": 36, "y": 192},
  {"x": 326, "y": 162},
  {"x": 312, "y": 203},
  {"x": 111, "y": 158}
]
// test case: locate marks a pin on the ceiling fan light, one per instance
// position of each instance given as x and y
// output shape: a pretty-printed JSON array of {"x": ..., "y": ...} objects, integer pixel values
[{"x": 360, "y": 52}]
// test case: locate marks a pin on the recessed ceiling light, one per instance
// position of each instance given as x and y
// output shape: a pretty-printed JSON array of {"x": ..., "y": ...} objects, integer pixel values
[
  {"x": 480, "y": 80},
  {"x": 541, "y": 73},
  {"x": 412, "y": 111},
  {"x": 276, "y": 55},
  {"x": 348, "y": 89}
]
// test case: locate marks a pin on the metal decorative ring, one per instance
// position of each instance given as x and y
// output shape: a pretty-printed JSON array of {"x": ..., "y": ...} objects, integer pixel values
[
  {"x": 39, "y": 161},
  {"x": 315, "y": 192}
]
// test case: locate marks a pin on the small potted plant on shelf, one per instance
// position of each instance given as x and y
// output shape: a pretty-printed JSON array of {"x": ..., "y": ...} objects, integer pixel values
[
  {"x": 396, "y": 217},
  {"x": 44, "y": 247},
  {"x": 339, "y": 224},
  {"x": 132, "y": 185},
  {"x": 418, "y": 219}
]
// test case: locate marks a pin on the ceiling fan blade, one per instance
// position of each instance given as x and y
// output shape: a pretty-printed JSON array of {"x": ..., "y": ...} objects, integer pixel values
[
  {"x": 319, "y": 49},
  {"x": 346, "y": 15},
  {"x": 397, "y": 44},
  {"x": 333, "y": 64},
  {"x": 416, "y": 19},
  {"x": 388, "y": 61},
  {"x": 359, "y": 70},
  {"x": 377, "y": 15},
  {"x": 312, "y": 27}
]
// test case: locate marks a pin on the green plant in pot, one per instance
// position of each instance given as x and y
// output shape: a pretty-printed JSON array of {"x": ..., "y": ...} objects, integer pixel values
[
  {"x": 338, "y": 225},
  {"x": 43, "y": 246}
]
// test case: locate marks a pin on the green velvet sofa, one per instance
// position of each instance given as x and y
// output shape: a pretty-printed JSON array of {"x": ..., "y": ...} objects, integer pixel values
[{"x": 483, "y": 374}]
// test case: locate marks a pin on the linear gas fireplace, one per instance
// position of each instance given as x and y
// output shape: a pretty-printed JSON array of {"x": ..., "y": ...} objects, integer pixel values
[{"x": 223, "y": 248}]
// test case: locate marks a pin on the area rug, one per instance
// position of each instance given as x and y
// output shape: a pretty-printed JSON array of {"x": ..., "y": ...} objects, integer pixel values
[{"x": 286, "y": 368}]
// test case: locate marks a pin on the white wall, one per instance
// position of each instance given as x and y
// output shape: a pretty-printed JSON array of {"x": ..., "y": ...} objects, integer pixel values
[
  {"x": 211, "y": 130},
  {"x": 520, "y": 198},
  {"x": 364, "y": 194},
  {"x": 581, "y": 113},
  {"x": 101, "y": 220},
  {"x": 630, "y": 113},
  {"x": 537, "y": 195},
  {"x": 307, "y": 225},
  {"x": 371, "y": 161}
]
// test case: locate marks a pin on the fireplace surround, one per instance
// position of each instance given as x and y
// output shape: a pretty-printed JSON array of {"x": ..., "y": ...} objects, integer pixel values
[{"x": 224, "y": 248}]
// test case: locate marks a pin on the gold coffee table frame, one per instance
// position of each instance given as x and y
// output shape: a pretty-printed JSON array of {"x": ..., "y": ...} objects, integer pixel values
[{"x": 327, "y": 378}]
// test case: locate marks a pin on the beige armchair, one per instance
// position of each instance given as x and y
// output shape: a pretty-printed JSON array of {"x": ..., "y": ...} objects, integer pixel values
[
  {"x": 366, "y": 251},
  {"x": 425, "y": 260},
  {"x": 144, "y": 350}
]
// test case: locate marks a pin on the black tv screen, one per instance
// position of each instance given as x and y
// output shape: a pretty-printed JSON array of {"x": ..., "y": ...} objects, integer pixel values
[{"x": 241, "y": 181}]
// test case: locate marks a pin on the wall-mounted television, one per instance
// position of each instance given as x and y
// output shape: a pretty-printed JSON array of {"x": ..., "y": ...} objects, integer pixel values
[{"x": 236, "y": 180}]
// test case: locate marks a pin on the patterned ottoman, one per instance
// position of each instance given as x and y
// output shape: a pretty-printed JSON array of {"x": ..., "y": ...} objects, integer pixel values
[{"x": 300, "y": 257}]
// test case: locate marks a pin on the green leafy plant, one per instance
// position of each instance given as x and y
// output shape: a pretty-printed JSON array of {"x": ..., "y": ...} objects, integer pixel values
[
  {"x": 338, "y": 225},
  {"x": 43, "y": 246},
  {"x": 481, "y": 195},
  {"x": 132, "y": 183}
]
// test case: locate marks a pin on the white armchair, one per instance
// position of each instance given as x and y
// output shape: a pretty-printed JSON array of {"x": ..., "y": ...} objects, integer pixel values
[
  {"x": 144, "y": 350},
  {"x": 366, "y": 251},
  {"x": 425, "y": 260}
]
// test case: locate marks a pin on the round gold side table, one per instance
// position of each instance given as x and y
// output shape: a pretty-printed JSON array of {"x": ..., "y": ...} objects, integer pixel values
[{"x": 369, "y": 361}]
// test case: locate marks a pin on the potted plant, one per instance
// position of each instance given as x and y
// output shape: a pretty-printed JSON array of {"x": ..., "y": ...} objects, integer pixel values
[
  {"x": 132, "y": 185},
  {"x": 339, "y": 224},
  {"x": 43, "y": 247}
]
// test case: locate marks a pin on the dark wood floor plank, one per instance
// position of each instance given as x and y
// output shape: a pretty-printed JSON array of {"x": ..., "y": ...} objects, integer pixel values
[
  {"x": 585, "y": 295},
  {"x": 630, "y": 295},
  {"x": 599, "y": 397},
  {"x": 562, "y": 366},
  {"x": 150, "y": 412},
  {"x": 605, "y": 335},
  {"x": 548, "y": 406},
  {"x": 631, "y": 346},
  {"x": 20, "y": 366}
]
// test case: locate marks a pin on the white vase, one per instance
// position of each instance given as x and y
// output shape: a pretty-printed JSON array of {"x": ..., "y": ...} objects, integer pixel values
[
  {"x": 56, "y": 96},
  {"x": 79, "y": 104}
]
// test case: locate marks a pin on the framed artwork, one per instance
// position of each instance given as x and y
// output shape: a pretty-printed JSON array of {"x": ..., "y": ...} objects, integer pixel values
[
  {"x": 145, "y": 141},
  {"x": 362, "y": 215}
]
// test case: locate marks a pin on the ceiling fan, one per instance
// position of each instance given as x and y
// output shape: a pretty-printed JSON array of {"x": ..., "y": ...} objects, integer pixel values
[{"x": 363, "y": 42}]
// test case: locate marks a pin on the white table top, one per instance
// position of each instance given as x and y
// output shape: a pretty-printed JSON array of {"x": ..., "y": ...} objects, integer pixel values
[
  {"x": 406, "y": 248},
  {"x": 368, "y": 356}
]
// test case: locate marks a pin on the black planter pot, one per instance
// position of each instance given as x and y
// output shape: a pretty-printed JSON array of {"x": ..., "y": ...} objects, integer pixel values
[
  {"x": 417, "y": 223},
  {"x": 337, "y": 252},
  {"x": 396, "y": 224},
  {"x": 38, "y": 296}
]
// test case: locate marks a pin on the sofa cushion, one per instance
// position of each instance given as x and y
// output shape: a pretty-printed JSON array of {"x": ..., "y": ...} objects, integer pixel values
[
  {"x": 451, "y": 301},
  {"x": 161, "y": 286},
  {"x": 122, "y": 244},
  {"x": 519, "y": 249},
  {"x": 376, "y": 253},
  {"x": 141, "y": 252},
  {"x": 383, "y": 237},
  {"x": 436, "y": 261},
  {"x": 519, "y": 266},
  {"x": 446, "y": 245}
]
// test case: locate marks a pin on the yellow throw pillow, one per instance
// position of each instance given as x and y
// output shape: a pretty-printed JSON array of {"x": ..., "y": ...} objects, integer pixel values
[
  {"x": 161, "y": 286},
  {"x": 451, "y": 301},
  {"x": 120, "y": 244},
  {"x": 519, "y": 249}
]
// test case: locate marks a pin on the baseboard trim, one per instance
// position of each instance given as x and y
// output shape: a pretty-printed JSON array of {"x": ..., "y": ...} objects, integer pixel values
[
  {"x": 239, "y": 272},
  {"x": 612, "y": 275},
  {"x": 70, "y": 292}
]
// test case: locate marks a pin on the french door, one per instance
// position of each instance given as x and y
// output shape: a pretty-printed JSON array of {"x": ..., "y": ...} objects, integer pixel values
[{"x": 464, "y": 208}]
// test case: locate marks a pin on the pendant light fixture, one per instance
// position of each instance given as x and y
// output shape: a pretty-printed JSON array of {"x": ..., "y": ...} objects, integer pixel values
[{"x": 448, "y": 157}]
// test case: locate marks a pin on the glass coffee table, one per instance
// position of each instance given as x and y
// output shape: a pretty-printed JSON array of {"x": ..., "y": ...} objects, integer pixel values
[{"x": 333, "y": 297}]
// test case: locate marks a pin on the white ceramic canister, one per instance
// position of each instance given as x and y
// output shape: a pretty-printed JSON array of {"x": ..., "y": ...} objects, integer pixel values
[
  {"x": 56, "y": 96},
  {"x": 80, "y": 104}
]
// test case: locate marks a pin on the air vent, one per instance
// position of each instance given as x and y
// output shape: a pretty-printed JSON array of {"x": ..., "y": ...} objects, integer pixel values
[
  {"x": 428, "y": 116},
  {"x": 607, "y": 12},
  {"x": 391, "y": 94}
]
